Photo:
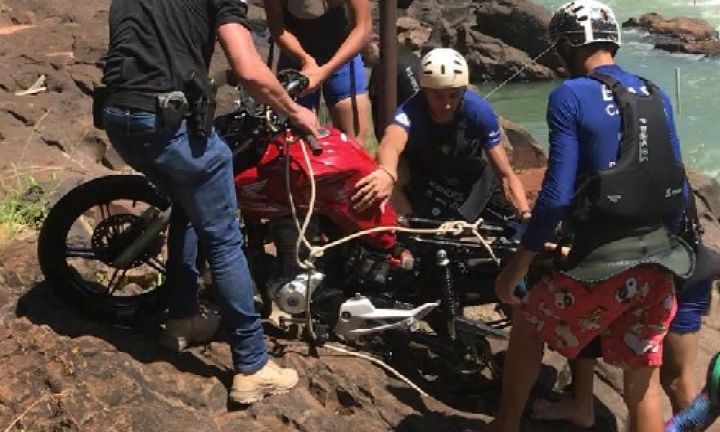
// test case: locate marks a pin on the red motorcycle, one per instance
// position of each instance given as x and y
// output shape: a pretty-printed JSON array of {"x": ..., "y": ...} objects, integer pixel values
[{"x": 103, "y": 245}]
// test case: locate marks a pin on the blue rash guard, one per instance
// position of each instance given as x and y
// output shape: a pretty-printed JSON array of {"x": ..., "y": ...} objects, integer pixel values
[
  {"x": 449, "y": 177},
  {"x": 584, "y": 124}
]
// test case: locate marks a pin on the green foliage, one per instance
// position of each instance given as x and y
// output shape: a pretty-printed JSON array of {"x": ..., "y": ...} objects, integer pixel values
[{"x": 24, "y": 203}]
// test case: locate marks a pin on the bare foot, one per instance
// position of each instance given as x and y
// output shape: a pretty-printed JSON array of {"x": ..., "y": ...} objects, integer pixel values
[{"x": 565, "y": 409}]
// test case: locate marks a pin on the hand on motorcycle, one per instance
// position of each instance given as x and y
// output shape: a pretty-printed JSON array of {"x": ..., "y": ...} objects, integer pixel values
[
  {"x": 315, "y": 74},
  {"x": 511, "y": 276},
  {"x": 372, "y": 189},
  {"x": 305, "y": 120}
]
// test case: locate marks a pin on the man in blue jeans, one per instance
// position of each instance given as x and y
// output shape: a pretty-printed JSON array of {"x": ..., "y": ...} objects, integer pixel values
[{"x": 155, "y": 49}]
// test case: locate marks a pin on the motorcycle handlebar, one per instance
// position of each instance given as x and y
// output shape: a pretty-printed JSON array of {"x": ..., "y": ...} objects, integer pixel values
[
  {"x": 314, "y": 144},
  {"x": 293, "y": 81}
]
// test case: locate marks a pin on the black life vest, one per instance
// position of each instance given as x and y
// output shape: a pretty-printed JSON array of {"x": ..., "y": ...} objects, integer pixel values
[
  {"x": 644, "y": 186},
  {"x": 448, "y": 178}
]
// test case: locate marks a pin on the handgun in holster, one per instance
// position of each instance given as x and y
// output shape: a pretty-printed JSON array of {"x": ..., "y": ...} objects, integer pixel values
[
  {"x": 201, "y": 100},
  {"x": 172, "y": 107}
]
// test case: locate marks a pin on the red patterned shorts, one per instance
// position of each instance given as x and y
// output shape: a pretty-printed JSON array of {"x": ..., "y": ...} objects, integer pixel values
[{"x": 631, "y": 312}]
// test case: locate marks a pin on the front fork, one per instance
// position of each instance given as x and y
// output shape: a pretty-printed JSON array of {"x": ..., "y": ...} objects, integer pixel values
[
  {"x": 448, "y": 296},
  {"x": 155, "y": 222}
]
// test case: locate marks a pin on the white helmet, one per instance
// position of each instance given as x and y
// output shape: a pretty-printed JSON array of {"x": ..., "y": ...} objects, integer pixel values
[
  {"x": 582, "y": 22},
  {"x": 444, "y": 68}
]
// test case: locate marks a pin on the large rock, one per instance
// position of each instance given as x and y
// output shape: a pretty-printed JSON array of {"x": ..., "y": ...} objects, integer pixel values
[
  {"x": 488, "y": 58},
  {"x": 63, "y": 372},
  {"x": 686, "y": 29},
  {"x": 524, "y": 150},
  {"x": 481, "y": 31},
  {"x": 413, "y": 33},
  {"x": 680, "y": 35},
  {"x": 521, "y": 24},
  {"x": 707, "y": 198},
  {"x": 705, "y": 47}
]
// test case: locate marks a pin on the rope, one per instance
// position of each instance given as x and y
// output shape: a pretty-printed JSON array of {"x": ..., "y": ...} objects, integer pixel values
[
  {"x": 380, "y": 363},
  {"x": 451, "y": 227},
  {"x": 525, "y": 66}
]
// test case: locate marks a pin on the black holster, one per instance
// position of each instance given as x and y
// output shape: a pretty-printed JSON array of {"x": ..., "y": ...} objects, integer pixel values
[
  {"x": 201, "y": 100},
  {"x": 100, "y": 94}
]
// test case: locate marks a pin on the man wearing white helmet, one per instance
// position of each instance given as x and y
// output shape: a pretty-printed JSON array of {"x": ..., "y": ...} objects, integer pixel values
[
  {"x": 616, "y": 182},
  {"x": 442, "y": 149}
]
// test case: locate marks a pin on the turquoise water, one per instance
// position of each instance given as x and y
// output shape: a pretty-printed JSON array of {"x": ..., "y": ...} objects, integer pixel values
[{"x": 698, "y": 121}]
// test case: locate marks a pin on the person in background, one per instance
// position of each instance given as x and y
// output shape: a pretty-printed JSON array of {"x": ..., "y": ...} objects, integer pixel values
[
  {"x": 323, "y": 39},
  {"x": 407, "y": 78}
]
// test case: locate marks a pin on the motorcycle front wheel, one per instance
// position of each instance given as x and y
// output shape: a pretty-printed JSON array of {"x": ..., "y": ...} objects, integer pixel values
[{"x": 85, "y": 233}]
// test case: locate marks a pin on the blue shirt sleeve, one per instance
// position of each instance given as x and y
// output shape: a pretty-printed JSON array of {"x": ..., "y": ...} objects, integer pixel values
[
  {"x": 405, "y": 113},
  {"x": 559, "y": 182},
  {"x": 483, "y": 118}
]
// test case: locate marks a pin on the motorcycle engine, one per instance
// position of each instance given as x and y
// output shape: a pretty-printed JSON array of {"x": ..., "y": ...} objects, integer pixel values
[
  {"x": 291, "y": 295},
  {"x": 365, "y": 267}
]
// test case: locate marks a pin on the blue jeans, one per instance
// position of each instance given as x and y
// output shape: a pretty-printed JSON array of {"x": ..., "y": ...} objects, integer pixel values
[{"x": 198, "y": 176}]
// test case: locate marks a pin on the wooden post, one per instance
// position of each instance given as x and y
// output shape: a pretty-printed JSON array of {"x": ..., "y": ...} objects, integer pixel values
[{"x": 388, "y": 62}]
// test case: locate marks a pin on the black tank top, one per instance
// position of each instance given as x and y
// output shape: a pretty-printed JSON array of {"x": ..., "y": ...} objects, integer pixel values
[{"x": 322, "y": 36}]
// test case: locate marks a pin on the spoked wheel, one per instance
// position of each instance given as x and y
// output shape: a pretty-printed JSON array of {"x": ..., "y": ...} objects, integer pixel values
[{"x": 87, "y": 232}]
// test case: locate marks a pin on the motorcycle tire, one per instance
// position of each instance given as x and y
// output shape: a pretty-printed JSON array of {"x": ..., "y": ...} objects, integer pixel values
[{"x": 53, "y": 249}]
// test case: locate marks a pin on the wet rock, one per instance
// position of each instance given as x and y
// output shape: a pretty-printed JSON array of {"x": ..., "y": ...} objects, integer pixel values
[
  {"x": 521, "y": 24},
  {"x": 498, "y": 38},
  {"x": 524, "y": 151},
  {"x": 683, "y": 28},
  {"x": 488, "y": 58},
  {"x": 680, "y": 34}
]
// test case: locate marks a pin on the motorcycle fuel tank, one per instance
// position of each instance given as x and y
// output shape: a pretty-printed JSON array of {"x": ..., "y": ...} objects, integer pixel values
[{"x": 262, "y": 190}]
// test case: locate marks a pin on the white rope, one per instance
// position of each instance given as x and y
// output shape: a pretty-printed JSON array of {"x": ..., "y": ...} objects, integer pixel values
[
  {"x": 507, "y": 81},
  {"x": 450, "y": 227},
  {"x": 380, "y": 363}
]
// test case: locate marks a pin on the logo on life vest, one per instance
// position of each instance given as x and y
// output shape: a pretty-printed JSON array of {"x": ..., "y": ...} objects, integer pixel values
[
  {"x": 670, "y": 192},
  {"x": 644, "y": 153}
]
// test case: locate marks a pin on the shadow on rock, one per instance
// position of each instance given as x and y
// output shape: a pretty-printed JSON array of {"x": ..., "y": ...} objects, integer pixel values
[{"x": 138, "y": 339}]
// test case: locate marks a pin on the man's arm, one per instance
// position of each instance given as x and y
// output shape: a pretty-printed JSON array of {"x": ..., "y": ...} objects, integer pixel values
[
  {"x": 257, "y": 78},
  {"x": 555, "y": 195},
  {"x": 391, "y": 147},
  {"x": 512, "y": 186}
]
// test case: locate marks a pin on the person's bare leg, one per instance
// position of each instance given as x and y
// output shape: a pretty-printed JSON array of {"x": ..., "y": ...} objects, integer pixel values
[
  {"x": 344, "y": 119},
  {"x": 522, "y": 364},
  {"x": 642, "y": 392},
  {"x": 578, "y": 407},
  {"x": 676, "y": 374}
]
